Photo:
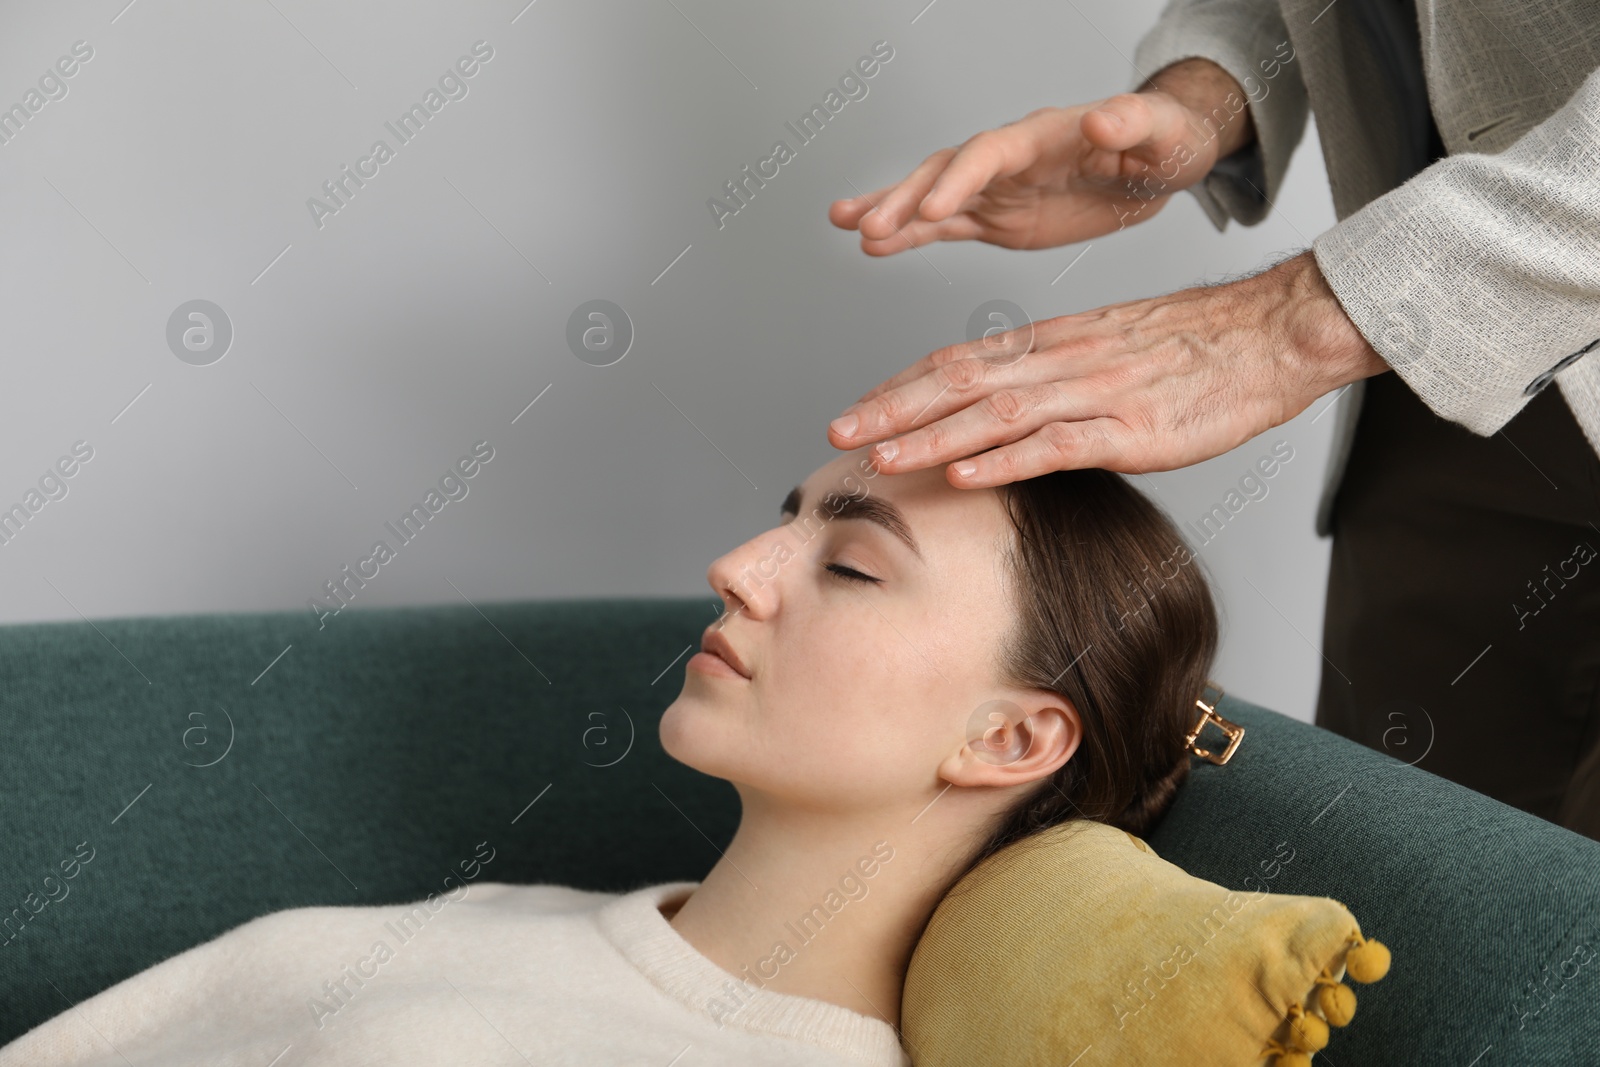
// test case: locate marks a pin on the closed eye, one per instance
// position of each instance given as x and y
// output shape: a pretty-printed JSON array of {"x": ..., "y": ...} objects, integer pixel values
[{"x": 849, "y": 574}]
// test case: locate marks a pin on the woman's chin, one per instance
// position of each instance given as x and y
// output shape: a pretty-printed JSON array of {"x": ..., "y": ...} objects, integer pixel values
[
  {"x": 677, "y": 730},
  {"x": 687, "y": 734}
]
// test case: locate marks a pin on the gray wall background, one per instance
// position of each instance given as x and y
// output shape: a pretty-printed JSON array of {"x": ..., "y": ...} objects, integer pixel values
[{"x": 368, "y": 355}]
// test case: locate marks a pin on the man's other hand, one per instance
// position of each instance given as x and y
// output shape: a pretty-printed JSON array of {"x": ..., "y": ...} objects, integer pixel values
[{"x": 1062, "y": 175}]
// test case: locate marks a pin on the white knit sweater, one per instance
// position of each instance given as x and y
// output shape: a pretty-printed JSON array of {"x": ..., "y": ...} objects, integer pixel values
[{"x": 559, "y": 975}]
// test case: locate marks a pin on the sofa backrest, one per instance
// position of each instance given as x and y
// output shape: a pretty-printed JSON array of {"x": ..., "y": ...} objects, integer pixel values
[{"x": 166, "y": 779}]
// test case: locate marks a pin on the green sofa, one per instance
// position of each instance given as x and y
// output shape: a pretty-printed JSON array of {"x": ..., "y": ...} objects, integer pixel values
[{"x": 191, "y": 772}]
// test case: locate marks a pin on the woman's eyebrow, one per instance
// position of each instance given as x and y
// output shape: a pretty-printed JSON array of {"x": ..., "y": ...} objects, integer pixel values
[{"x": 866, "y": 508}]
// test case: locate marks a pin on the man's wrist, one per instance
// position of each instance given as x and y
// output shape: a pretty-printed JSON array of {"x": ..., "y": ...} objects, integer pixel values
[
  {"x": 1216, "y": 100},
  {"x": 1325, "y": 348}
]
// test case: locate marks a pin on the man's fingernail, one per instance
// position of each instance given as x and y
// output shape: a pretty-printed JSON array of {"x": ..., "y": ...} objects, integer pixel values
[
  {"x": 845, "y": 425},
  {"x": 965, "y": 469},
  {"x": 887, "y": 451}
]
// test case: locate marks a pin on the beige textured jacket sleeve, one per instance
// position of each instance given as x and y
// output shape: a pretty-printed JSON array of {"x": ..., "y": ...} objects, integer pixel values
[
  {"x": 1247, "y": 38},
  {"x": 1479, "y": 278}
]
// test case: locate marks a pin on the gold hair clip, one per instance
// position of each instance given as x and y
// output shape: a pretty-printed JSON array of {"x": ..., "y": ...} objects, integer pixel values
[{"x": 1208, "y": 713}]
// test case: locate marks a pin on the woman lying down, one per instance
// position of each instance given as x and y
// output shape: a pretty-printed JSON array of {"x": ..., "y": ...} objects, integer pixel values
[{"x": 907, "y": 676}]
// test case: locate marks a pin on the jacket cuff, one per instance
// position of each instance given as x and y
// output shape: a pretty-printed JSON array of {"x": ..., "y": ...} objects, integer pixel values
[{"x": 1247, "y": 39}]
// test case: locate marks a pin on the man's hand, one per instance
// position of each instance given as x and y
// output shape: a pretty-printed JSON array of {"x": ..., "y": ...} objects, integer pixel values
[
  {"x": 1062, "y": 175},
  {"x": 1148, "y": 385}
]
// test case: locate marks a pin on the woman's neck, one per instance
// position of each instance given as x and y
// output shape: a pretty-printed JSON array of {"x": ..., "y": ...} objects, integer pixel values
[{"x": 820, "y": 905}]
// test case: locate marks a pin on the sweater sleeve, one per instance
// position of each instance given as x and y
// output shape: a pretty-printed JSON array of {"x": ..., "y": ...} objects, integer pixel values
[
  {"x": 1477, "y": 280},
  {"x": 1248, "y": 39}
]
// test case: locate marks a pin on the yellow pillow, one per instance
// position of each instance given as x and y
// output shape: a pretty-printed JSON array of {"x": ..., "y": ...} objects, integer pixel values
[{"x": 1079, "y": 945}]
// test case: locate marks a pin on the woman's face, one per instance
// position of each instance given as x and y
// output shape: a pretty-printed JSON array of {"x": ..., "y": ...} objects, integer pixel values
[{"x": 858, "y": 688}]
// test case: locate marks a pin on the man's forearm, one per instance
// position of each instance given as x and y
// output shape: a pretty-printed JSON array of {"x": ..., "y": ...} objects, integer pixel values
[{"x": 1216, "y": 99}]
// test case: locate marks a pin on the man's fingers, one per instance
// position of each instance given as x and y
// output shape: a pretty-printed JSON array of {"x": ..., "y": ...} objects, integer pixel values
[
  {"x": 1145, "y": 127},
  {"x": 911, "y": 373},
  {"x": 984, "y": 157},
  {"x": 926, "y": 365},
  {"x": 945, "y": 385},
  {"x": 1052, "y": 447},
  {"x": 919, "y": 232},
  {"x": 1003, "y": 349},
  {"x": 902, "y": 406},
  {"x": 1119, "y": 123},
  {"x": 1003, "y": 416},
  {"x": 846, "y": 213},
  {"x": 945, "y": 181},
  {"x": 898, "y": 206}
]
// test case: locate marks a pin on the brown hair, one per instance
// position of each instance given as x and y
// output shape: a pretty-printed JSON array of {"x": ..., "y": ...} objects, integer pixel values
[{"x": 1114, "y": 615}]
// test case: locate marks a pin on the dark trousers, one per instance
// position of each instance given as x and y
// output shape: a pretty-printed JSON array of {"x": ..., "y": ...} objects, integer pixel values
[{"x": 1462, "y": 628}]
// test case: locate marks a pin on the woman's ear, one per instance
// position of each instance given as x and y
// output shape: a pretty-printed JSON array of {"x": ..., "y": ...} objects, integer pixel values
[{"x": 1014, "y": 741}]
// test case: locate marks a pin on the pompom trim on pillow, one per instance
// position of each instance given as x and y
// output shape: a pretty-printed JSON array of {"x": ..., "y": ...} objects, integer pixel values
[{"x": 1366, "y": 960}]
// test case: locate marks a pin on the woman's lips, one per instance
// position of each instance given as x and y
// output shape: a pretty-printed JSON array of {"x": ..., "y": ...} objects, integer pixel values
[
  {"x": 711, "y": 663},
  {"x": 715, "y": 642}
]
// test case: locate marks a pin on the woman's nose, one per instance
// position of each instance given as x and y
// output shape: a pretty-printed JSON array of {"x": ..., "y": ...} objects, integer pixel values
[{"x": 746, "y": 578}]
